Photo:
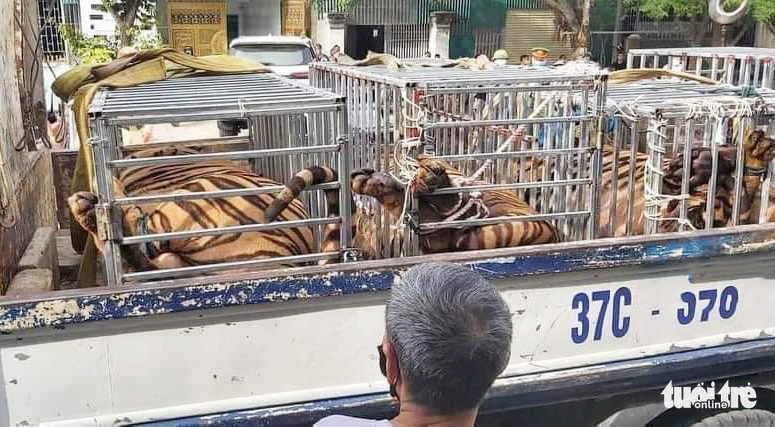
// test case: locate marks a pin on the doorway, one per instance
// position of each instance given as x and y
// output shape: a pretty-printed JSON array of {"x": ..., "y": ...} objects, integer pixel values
[{"x": 364, "y": 38}]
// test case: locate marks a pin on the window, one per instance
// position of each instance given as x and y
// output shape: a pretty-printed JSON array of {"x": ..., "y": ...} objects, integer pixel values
[
  {"x": 232, "y": 27},
  {"x": 274, "y": 54}
]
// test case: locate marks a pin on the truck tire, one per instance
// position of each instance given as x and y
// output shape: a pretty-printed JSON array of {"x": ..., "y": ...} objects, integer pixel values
[{"x": 739, "y": 418}]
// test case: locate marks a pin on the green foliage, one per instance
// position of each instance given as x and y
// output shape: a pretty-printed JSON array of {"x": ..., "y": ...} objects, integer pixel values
[
  {"x": 145, "y": 40},
  {"x": 344, "y": 6},
  {"x": 131, "y": 16},
  {"x": 761, "y": 10},
  {"x": 88, "y": 50},
  {"x": 668, "y": 9},
  {"x": 603, "y": 16},
  {"x": 99, "y": 50}
]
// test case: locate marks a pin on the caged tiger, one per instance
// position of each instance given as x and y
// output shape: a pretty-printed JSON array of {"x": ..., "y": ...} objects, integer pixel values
[
  {"x": 432, "y": 174},
  {"x": 174, "y": 216},
  {"x": 616, "y": 215},
  {"x": 200, "y": 214},
  {"x": 195, "y": 214}
]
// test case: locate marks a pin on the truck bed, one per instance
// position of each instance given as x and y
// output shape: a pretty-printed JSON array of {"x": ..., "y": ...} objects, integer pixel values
[{"x": 277, "y": 339}]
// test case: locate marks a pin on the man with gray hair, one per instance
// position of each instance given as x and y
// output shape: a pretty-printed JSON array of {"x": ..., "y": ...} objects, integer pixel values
[{"x": 447, "y": 337}]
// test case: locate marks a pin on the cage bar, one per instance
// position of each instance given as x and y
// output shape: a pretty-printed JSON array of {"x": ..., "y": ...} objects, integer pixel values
[
  {"x": 289, "y": 127},
  {"x": 742, "y": 66},
  {"x": 689, "y": 116},
  {"x": 470, "y": 118}
]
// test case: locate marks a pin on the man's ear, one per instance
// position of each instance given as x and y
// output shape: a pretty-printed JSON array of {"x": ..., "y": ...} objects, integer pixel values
[{"x": 393, "y": 371}]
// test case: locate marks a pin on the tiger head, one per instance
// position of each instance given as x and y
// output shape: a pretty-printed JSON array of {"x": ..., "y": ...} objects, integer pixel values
[
  {"x": 759, "y": 151},
  {"x": 430, "y": 176}
]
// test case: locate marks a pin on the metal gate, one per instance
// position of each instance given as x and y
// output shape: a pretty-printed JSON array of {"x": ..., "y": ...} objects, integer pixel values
[
  {"x": 406, "y": 41},
  {"x": 526, "y": 29}
]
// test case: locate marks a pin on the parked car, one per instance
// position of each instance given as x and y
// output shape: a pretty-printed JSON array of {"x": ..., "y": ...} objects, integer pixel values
[{"x": 285, "y": 55}]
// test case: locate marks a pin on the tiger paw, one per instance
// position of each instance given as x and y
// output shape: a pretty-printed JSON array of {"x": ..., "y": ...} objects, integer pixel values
[
  {"x": 379, "y": 185},
  {"x": 82, "y": 206},
  {"x": 369, "y": 182}
]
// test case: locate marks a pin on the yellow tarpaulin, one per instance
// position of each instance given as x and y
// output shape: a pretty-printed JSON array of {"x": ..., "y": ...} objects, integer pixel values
[{"x": 82, "y": 83}]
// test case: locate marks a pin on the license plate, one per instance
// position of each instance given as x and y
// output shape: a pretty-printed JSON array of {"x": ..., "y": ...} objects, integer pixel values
[{"x": 560, "y": 326}]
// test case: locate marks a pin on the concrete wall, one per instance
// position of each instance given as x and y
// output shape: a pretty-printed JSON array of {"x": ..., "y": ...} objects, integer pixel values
[
  {"x": 104, "y": 26},
  {"x": 161, "y": 21},
  {"x": 314, "y": 25},
  {"x": 257, "y": 17},
  {"x": 26, "y": 187},
  {"x": 764, "y": 37},
  {"x": 34, "y": 194},
  {"x": 30, "y": 84}
]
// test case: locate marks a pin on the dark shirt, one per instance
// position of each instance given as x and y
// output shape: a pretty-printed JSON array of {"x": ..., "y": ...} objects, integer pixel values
[{"x": 616, "y": 66}]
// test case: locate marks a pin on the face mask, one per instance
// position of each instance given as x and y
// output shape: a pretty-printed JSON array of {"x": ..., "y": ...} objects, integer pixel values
[
  {"x": 538, "y": 63},
  {"x": 500, "y": 61}
]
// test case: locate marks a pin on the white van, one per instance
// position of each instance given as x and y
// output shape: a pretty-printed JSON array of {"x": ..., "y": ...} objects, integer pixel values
[{"x": 286, "y": 55}]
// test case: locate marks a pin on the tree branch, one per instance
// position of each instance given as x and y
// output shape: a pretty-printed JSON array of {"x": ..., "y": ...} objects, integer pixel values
[
  {"x": 566, "y": 10},
  {"x": 131, "y": 11},
  {"x": 733, "y": 41}
]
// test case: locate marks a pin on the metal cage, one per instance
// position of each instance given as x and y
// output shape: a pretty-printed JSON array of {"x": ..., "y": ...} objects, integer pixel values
[
  {"x": 732, "y": 65},
  {"x": 492, "y": 125},
  {"x": 290, "y": 127},
  {"x": 660, "y": 120}
]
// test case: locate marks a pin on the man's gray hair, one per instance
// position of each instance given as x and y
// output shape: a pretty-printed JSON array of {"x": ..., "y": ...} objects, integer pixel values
[{"x": 451, "y": 331}]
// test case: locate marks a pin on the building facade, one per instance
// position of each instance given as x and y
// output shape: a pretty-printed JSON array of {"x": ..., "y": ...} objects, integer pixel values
[
  {"x": 207, "y": 26},
  {"x": 406, "y": 28},
  {"x": 94, "y": 19}
]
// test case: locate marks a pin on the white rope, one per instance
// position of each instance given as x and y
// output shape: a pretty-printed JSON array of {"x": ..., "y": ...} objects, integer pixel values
[
  {"x": 654, "y": 174},
  {"x": 628, "y": 110},
  {"x": 474, "y": 200},
  {"x": 243, "y": 112},
  {"x": 519, "y": 133},
  {"x": 407, "y": 167}
]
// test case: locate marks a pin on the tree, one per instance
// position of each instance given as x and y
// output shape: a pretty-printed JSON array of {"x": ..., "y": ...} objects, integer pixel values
[
  {"x": 693, "y": 16},
  {"x": 127, "y": 13},
  {"x": 573, "y": 18}
]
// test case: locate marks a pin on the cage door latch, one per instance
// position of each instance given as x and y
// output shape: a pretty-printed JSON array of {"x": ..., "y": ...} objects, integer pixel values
[{"x": 104, "y": 226}]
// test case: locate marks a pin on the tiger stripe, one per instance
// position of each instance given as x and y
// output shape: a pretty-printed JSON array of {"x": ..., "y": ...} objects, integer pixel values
[
  {"x": 434, "y": 174},
  {"x": 199, "y": 214},
  {"x": 759, "y": 150}
]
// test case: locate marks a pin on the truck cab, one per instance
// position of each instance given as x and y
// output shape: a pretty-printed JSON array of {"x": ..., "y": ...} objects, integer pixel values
[{"x": 286, "y": 56}]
